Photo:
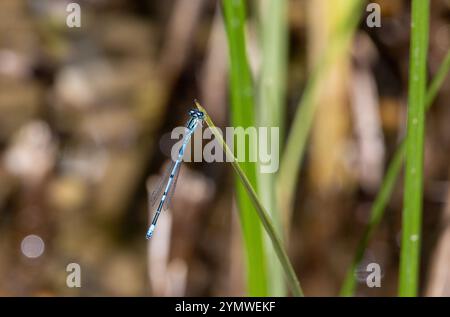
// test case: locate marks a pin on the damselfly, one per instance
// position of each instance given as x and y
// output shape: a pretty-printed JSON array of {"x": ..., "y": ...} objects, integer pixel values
[{"x": 168, "y": 182}]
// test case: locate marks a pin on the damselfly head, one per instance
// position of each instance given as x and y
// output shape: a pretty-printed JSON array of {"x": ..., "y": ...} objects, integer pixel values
[{"x": 194, "y": 113}]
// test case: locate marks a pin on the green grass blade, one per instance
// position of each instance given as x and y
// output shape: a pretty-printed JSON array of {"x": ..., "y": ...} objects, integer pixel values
[
  {"x": 438, "y": 80},
  {"x": 377, "y": 212},
  {"x": 270, "y": 111},
  {"x": 261, "y": 212},
  {"x": 296, "y": 143},
  {"x": 412, "y": 202},
  {"x": 387, "y": 186},
  {"x": 243, "y": 115}
]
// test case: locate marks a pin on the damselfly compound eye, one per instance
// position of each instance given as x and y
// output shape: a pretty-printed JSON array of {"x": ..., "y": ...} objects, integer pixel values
[{"x": 196, "y": 114}]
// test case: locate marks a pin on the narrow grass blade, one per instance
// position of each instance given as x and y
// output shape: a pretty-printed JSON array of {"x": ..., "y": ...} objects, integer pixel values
[
  {"x": 438, "y": 80},
  {"x": 412, "y": 202},
  {"x": 261, "y": 212},
  {"x": 270, "y": 111},
  {"x": 243, "y": 115},
  {"x": 296, "y": 143},
  {"x": 376, "y": 215}
]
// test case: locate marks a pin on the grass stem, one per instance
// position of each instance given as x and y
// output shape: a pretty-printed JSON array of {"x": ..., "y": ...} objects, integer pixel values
[
  {"x": 270, "y": 112},
  {"x": 243, "y": 115},
  {"x": 413, "y": 192},
  {"x": 261, "y": 212},
  {"x": 301, "y": 126},
  {"x": 387, "y": 186}
]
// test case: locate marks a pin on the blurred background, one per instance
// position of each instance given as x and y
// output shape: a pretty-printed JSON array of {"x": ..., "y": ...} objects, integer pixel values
[{"x": 85, "y": 120}]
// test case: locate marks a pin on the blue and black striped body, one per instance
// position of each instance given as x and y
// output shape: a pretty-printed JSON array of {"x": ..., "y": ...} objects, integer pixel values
[{"x": 195, "y": 119}]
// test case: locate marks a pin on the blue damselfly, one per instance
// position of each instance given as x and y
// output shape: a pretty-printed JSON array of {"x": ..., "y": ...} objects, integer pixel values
[{"x": 169, "y": 180}]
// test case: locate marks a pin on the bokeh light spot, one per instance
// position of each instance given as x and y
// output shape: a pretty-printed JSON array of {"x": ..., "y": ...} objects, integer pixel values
[{"x": 32, "y": 246}]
